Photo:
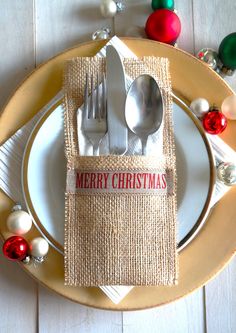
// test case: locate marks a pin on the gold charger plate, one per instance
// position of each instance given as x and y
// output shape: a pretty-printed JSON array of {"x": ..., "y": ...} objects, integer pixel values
[{"x": 216, "y": 242}]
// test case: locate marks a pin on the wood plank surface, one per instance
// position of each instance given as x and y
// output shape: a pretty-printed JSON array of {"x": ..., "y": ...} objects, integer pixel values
[
  {"x": 184, "y": 10},
  {"x": 18, "y": 299},
  {"x": 221, "y": 301},
  {"x": 18, "y": 292},
  {"x": 57, "y": 314},
  {"x": 213, "y": 20},
  {"x": 63, "y": 24},
  {"x": 185, "y": 315},
  {"x": 132, "y": 20},
  {"x": 37, "y": 31},
  {"x": 17, "y": 44}
]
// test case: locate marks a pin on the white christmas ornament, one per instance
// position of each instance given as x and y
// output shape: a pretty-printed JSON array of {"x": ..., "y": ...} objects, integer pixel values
[
  {"x": 38, "y": 247},
  {"x": 228, "y": 107},
  {"x": 19, "y": 222},
  {"x": 200, "y": 107},
  {"x": 108, "y": 8}
]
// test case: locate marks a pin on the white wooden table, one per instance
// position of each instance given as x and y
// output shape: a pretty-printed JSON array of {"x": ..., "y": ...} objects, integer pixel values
[{"x": 31, "y": 31}]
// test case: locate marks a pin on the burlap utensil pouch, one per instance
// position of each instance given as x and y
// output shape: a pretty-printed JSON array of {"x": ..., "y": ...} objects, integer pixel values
[{"x": 120, "y": 216}]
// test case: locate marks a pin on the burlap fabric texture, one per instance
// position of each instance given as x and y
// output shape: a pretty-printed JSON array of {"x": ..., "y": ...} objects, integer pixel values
[{"x": 119, "y": 238}]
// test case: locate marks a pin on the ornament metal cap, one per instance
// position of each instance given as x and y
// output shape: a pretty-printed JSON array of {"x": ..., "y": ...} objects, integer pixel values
[
  {"x": 38, "y": 260},
  {"x": 16, "y": 207}
]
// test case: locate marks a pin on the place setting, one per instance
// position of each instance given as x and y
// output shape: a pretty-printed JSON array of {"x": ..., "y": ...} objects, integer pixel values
[{"x": 116, "y": 185}]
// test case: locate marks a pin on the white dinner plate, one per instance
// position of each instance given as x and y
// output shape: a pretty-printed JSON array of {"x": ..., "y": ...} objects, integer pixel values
[{"x": 44, "y": 175}]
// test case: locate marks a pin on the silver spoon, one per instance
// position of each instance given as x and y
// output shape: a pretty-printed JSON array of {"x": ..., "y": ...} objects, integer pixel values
[{"x": 144, "y": 108}]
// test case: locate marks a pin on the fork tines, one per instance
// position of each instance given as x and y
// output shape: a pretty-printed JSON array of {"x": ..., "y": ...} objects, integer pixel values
[
  {"x": 95, "y": 105},
  {"x": 94, "y": 122}
]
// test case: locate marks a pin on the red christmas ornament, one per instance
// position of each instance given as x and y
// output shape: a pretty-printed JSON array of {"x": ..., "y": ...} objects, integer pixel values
[
  {"x": 214, "y": 122},
  {"x": 15, "y": 248},
  {"x": 164, "y": 26}
]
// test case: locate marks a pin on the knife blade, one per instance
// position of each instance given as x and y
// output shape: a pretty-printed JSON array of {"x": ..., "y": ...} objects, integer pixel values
[{"x": 116, "y": 96}]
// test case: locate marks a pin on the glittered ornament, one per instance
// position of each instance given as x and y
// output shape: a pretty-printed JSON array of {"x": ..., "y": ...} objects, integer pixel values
[
  {"x": 199, "y": 107},
  {"x": 158, "y": 4},
  {"x": 226, "y": 172},
  {"x": 108, "y": 8},
  {"x": 228, "y": 107},
  {"x": 100, "y": 34},
  {"x": 15, "y": 248},
  {"x": 163, "y": 25},
  {"x": 210, "y": 57},
  {"x": 38, "y": 247},
  {"x": 227, "y": 51},
  {"x": 214, "y": 122},
  {"x": 19, "y": 222}
]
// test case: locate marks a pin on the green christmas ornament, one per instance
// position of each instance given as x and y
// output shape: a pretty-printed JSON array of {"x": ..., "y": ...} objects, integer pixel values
[
  {"x": 227, "y": 51},
  {"x": 167, "y": 4}
]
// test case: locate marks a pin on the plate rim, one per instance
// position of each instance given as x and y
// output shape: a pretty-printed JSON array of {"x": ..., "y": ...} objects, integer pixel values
[{"x": 24, "y": 183}]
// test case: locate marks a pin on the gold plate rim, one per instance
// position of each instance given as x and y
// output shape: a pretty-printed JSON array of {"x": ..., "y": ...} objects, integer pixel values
[{"x": 207, "y": 254}]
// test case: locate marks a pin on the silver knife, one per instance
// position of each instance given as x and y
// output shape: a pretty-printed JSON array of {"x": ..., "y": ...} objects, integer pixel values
[{"x": 116, "y": 96}]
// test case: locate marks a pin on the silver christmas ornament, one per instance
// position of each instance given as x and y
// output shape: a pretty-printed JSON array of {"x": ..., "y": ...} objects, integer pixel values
[
  {"x": 103, "y": 33},
  {"x": 210, "y": 57},
  {"x": 199, "y": 107},
  {"x": 226, "y": 172}
]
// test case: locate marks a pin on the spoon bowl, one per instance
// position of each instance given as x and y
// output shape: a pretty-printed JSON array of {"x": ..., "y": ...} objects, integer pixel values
[{"x": 144, "y": 108}]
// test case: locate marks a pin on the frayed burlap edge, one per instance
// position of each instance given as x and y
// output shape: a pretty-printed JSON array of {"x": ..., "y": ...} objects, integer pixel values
[{"x": 74, "y": 90}]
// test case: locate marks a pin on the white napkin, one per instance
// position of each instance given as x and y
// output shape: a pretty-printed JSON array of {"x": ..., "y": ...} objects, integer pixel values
[
  {"x": 222, "y": 153},
  {"x": 11, "y": 154}
]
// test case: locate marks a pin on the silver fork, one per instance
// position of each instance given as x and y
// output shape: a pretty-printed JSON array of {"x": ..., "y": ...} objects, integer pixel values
[{"x": 94, "y": 119}]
